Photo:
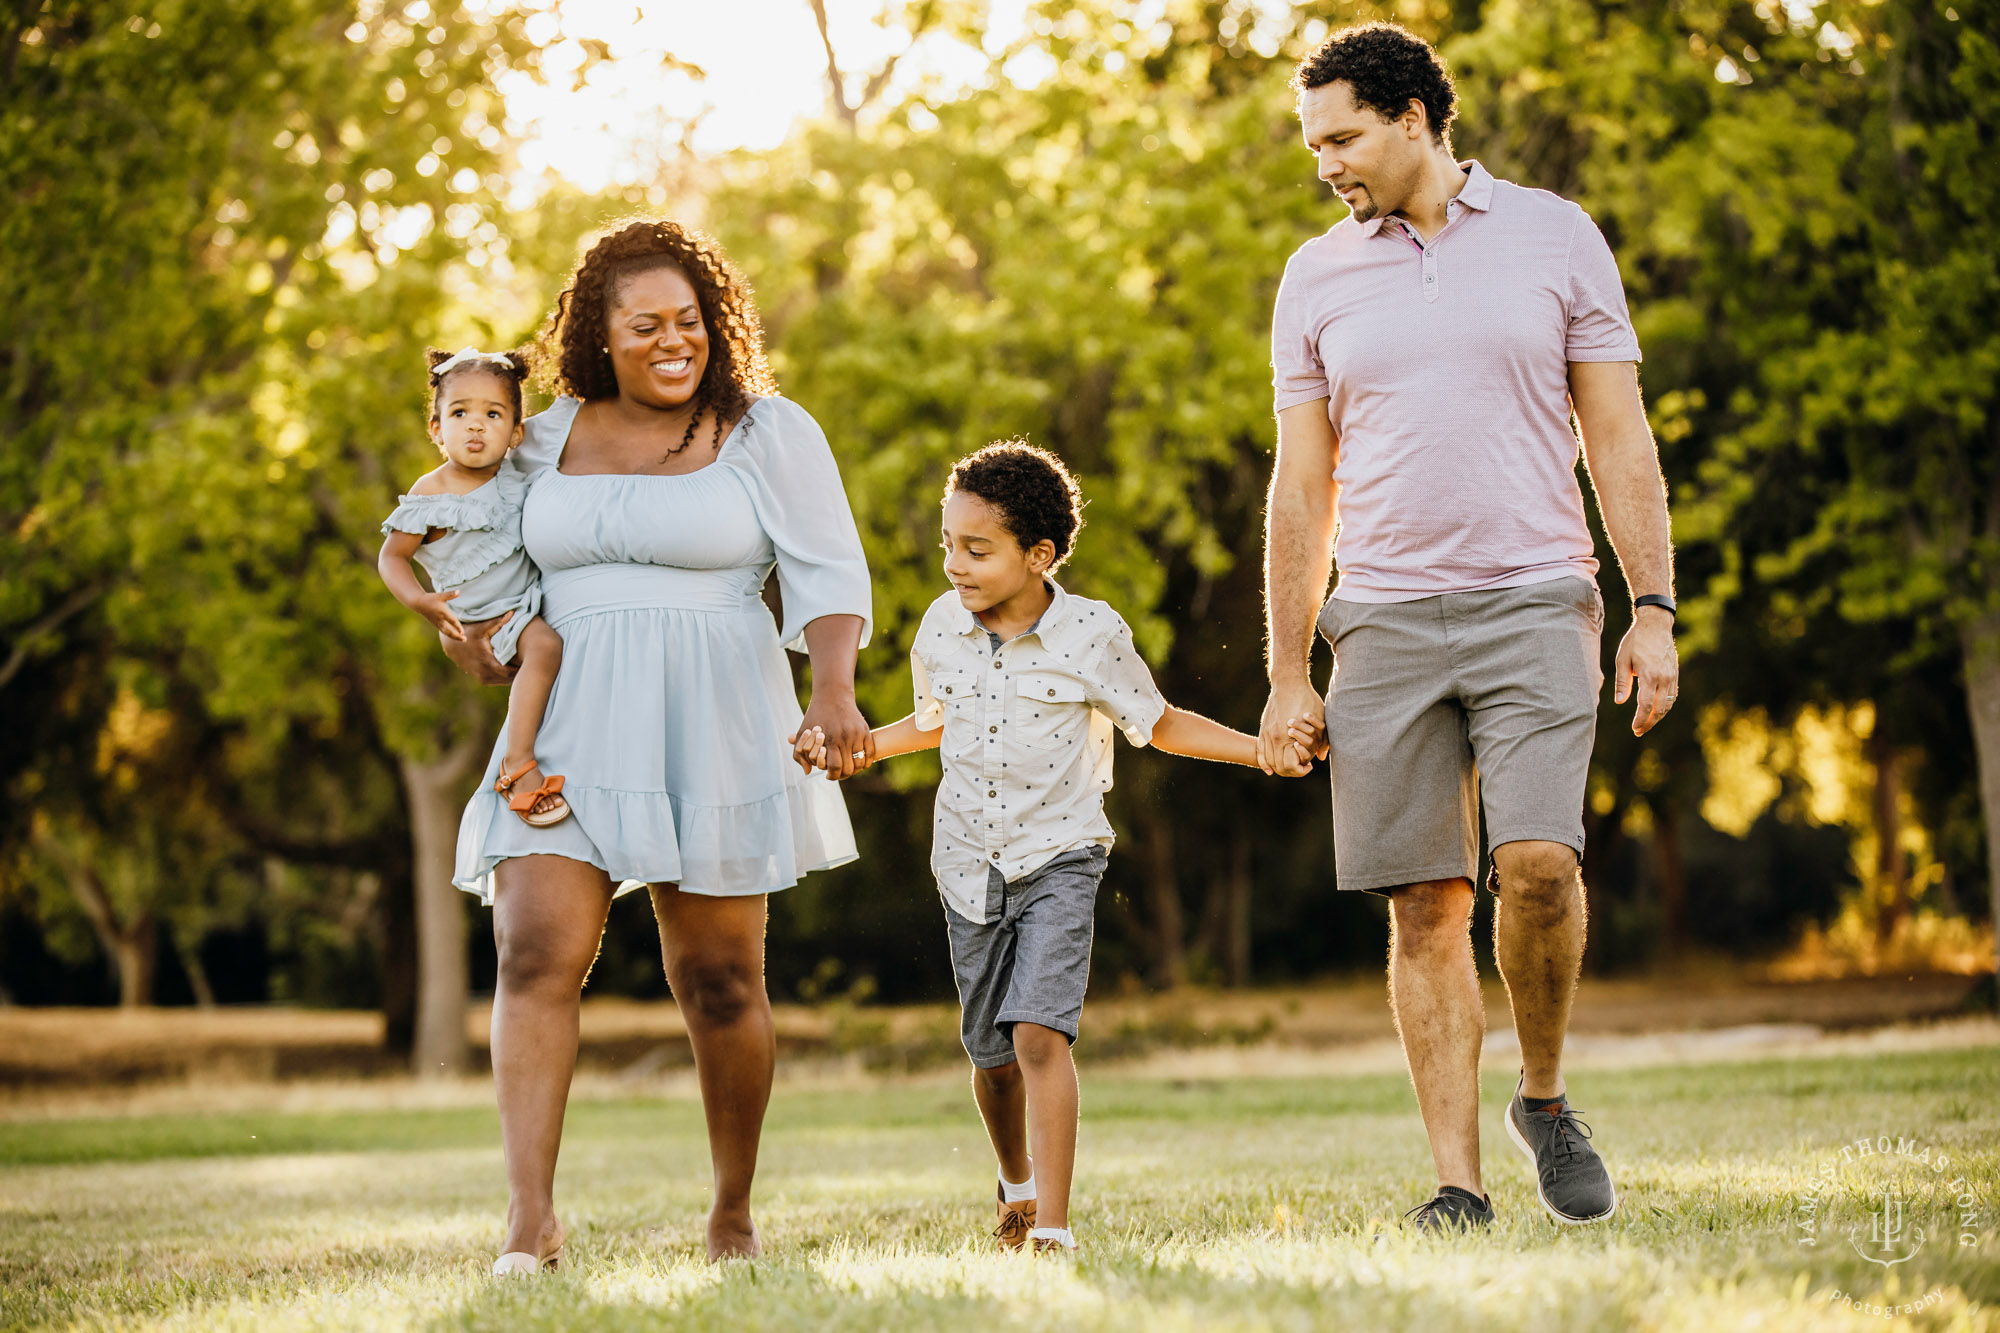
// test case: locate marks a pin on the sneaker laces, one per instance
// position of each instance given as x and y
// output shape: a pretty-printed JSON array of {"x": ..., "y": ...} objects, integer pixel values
[
  {"x": 1423, "y": 1212},
  {"x": 1571, "y": 1130},
  {"x": 1013, "y": 1226},
  {"x": 1441, "y": 1207}
]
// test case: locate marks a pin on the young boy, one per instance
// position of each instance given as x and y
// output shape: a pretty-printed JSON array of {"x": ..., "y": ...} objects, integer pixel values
[{"x": 1021, "y": 684}]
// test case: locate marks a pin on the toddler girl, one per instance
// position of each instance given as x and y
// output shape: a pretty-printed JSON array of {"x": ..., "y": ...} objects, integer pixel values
[{"x": 462, "y": 523}]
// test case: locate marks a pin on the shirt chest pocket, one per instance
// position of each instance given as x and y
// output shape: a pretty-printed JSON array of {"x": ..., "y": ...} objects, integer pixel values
[
  {"x": 1049, "y": 710},
  {"x": 957, "y": 692}
]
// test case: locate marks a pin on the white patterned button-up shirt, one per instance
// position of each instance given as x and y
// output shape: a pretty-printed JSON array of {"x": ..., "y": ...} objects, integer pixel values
[{"x": 1027, "y": 736}]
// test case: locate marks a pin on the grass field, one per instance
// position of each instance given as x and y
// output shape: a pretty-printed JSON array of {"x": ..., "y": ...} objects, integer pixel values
[{"x": 1204, "y": 1204}]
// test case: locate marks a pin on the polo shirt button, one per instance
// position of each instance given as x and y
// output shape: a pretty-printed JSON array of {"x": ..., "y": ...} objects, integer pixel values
[
  {"x": 947, "y": 689},
  {"x": 994, "y": 730},
  {"x": 992, "y": 793},
  {"x": 1052, "y": 694},
  {"x": 996, "y": 856}
]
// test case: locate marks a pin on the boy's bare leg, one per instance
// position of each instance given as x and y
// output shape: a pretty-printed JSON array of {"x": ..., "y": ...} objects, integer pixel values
[
  {"x": 540, "y": 652},
  {"x": 1003, "y": 1104},
  {"x": 1050, "y": 1078}
]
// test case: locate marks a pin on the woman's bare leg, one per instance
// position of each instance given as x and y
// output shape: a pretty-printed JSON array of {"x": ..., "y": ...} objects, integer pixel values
[
  {"x": 548, "y": 919},
  {"x": 714, "y": 954}
]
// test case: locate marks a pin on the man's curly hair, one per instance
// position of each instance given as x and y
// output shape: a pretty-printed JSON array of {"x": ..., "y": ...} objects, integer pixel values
[
  {"x": 1035, "y": 494},
  {"x": 574, "y": 339},
  {"x": 510, "y": 367},
  {"x": 1388, "y": 67}
]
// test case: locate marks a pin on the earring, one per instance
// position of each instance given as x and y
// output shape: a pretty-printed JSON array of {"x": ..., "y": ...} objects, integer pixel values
[{"x": 605, "y": 350}]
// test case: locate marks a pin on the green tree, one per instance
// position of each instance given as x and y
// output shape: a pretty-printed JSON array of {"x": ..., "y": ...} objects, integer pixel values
[{"x": 279, "y": 202}]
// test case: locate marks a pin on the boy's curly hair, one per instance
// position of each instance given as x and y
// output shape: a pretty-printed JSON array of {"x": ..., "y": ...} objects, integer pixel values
[
  {"x": 573, "y": 340},
  {"x": 1388, "y": 66},
  {"x": 1035, "y": 494},
  {"x": 511, "y": 368}
]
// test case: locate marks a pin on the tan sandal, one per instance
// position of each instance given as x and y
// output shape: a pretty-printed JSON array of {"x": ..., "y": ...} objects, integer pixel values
[{"x": 523, "y": 803}]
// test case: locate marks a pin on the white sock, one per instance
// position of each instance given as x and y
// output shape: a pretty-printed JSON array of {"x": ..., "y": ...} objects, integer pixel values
[
  {"x": 1060, "y": 1234},
  {"x": 1021, "y": 1193}
]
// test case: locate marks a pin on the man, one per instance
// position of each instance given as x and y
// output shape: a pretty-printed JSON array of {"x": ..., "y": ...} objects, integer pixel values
[{"x": 1428, "y": 352}]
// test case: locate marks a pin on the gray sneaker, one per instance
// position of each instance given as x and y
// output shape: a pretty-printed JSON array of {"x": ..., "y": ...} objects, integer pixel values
[
  {"x": 1453, "y": 1211},
  {"x": 1570, "y": 1178}
]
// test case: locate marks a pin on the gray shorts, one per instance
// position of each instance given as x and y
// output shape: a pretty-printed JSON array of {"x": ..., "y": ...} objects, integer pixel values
[
  {"x": 1441, "y": 703},
  {"x": 1031, "y": 962}
]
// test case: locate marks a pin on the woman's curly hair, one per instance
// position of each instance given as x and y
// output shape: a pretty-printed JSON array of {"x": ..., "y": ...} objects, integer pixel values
[
  {"x": 1035, "y": 494},
  {"x": 1388, "y": 67},
  {"x": 574, "y": 339},
  {"x": 510, "y": 367}
]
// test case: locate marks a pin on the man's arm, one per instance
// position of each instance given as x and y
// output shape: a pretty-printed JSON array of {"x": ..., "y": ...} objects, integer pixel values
[
  {"x": 1624, "y": 469},
  {"x": 1298, "y": 560}
]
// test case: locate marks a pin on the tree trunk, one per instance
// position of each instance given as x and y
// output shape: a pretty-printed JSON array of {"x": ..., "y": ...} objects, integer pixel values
[
  {"x": 1672, "y": 868},
  {"x": 1982, "y": 696},
  {"x": 1892, "y": 888},
  {"x": 187, "y": 945},
  {"x": 436, "y": 794},
  {"x": 137, "y": 948},
  {"x": 1169, "y": 929},
  {"x": 132, "y": 946}
]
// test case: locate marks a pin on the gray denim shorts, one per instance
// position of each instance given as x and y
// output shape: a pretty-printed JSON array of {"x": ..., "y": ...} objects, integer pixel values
[
  {"x": 1445, "y": 702},
  {"x": 1031, "y": 962}
]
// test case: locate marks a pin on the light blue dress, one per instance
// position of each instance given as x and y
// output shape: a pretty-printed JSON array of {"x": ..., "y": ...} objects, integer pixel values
[
  {"x": 480, "y": 554},
  {"x": 669, "y": 716}
]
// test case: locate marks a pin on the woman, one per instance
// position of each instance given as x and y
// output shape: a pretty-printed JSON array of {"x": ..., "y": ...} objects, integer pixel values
[{"x": 667, "y": 483}]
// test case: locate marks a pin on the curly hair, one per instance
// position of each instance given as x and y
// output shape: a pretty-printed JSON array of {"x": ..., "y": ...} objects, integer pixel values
[
  {"x": 510, "y": 367},
  {"x": 573, "y": 340},
  {"x": 1035, "y": 494},
  {"x": 1388, "y": 67}
]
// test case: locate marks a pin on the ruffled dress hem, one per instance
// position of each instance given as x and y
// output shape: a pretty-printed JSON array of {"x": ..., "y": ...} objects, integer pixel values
[{"x": 662, "y": 839}]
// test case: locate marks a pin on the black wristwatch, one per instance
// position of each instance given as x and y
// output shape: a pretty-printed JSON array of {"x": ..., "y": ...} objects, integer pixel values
[{"x": 1661, "y": 600}]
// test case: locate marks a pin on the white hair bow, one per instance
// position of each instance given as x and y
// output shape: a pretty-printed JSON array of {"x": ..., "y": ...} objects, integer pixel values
[{"x": 465, "y": 356}]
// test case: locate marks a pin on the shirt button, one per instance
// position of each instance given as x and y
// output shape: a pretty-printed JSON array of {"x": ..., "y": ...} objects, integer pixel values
[
  {"x": 1052, "y": 694},
  {"x": 994, "y": 730},
  {"x": 996, "y": 856},
  {"x": 947, "y": 689},
  {"x": 992, "y": 793}
]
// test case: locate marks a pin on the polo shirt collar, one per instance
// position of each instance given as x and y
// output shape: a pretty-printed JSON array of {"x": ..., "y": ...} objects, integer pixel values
[
  {"x": 1477, "y": 192},
  {"x": 1053, "y": 624}
]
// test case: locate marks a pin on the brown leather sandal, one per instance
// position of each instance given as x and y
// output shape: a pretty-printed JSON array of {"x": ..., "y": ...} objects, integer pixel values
[{"x": 523, "y": 803}]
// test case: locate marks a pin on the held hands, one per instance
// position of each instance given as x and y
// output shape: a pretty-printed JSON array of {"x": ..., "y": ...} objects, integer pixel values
[
  {"x": 810, "y": 751},
  {"x": 1293, "y": 731},
  {"x": 1648, "y": 668},
  {"x": 432, "y": 607},
  {"x": 833, "y": 729}
]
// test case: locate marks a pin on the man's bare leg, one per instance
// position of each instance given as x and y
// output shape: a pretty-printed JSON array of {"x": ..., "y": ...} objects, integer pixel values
[
  {"x": 1538, "y": 935},
  {"x": 1434, "y": 993}
]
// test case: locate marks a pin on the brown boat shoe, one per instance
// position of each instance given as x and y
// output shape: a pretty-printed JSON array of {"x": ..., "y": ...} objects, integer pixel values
[{"x": 1016, "y": 1220}]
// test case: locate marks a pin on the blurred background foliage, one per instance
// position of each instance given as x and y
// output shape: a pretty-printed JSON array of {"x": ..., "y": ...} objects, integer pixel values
[{"x": 231, "y": 226}]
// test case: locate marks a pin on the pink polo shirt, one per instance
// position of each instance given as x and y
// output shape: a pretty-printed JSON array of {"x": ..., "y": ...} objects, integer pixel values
[{"x": 1445, "y": 370}]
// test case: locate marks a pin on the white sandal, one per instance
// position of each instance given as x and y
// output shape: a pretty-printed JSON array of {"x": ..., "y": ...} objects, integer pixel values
[{"x": 520, "y": 1262}]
